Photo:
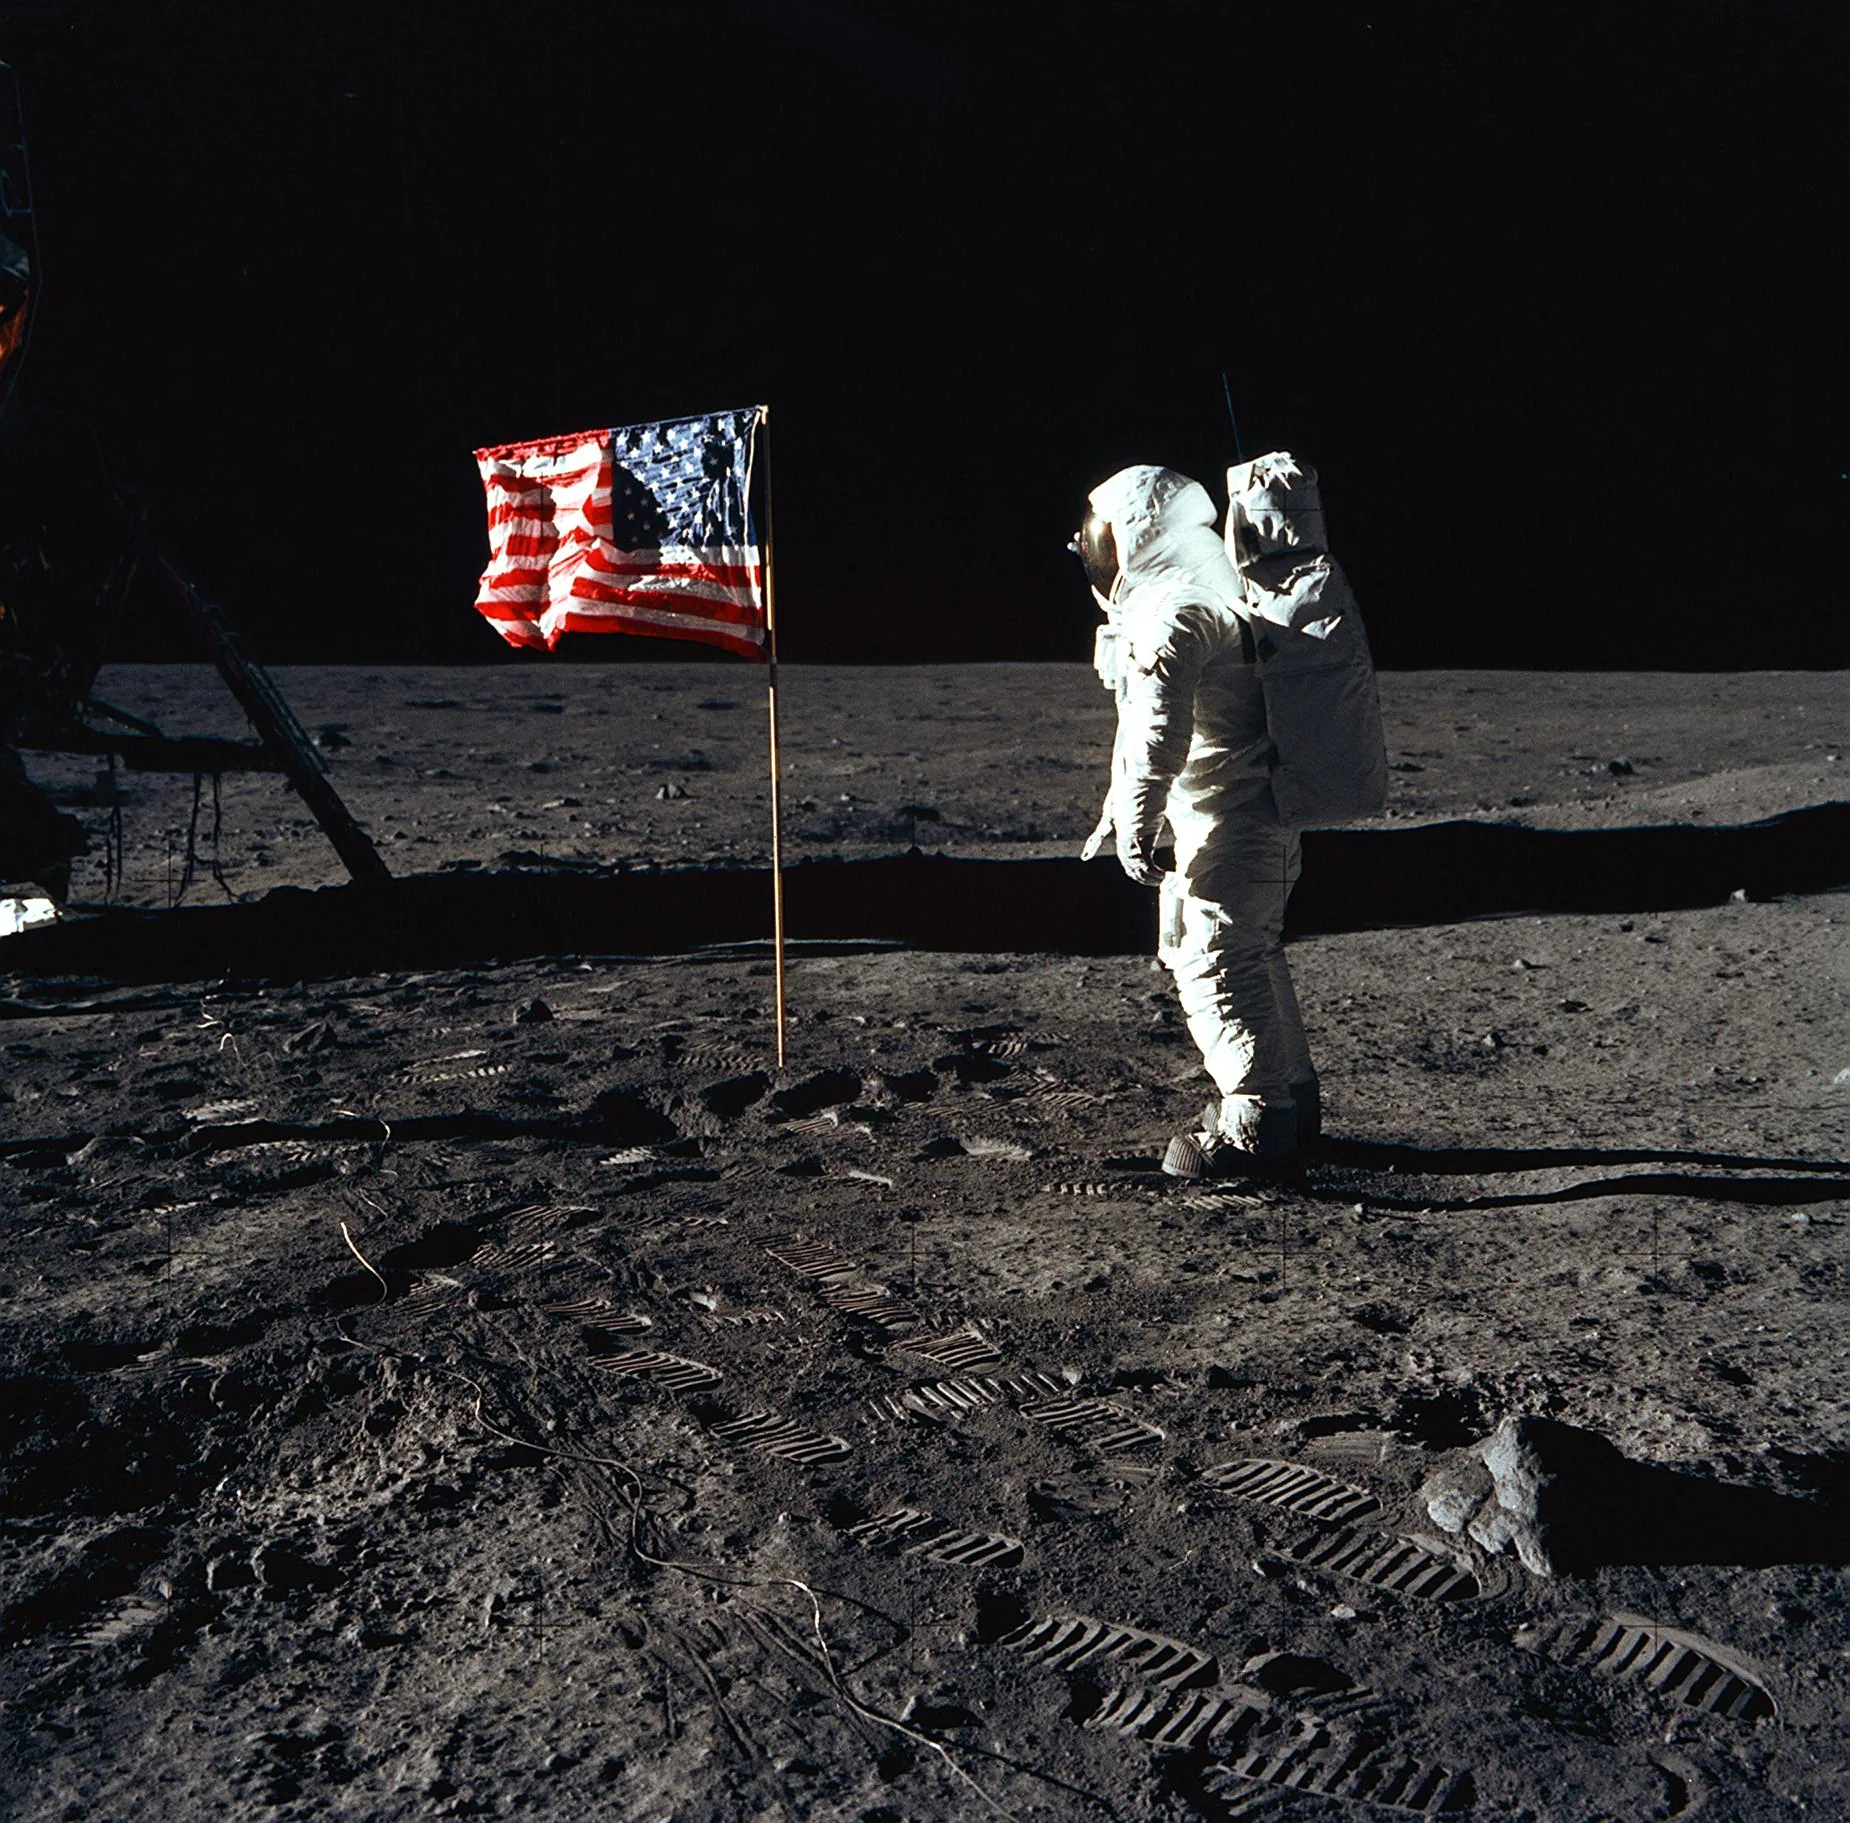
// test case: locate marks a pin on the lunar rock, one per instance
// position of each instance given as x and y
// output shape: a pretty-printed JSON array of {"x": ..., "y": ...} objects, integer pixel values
[
  {"x": 1455, "y": 1494},
  {"x": 1566, "y": 1500},
  {"x": 1529, "y": 1460}
]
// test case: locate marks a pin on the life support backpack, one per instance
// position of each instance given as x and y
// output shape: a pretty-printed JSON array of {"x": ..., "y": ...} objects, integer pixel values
[{"x": 1309, "y": 648}]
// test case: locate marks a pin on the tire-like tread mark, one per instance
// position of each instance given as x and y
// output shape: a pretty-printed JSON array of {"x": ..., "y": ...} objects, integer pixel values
[
  {"x": 1096, "y": 1424},
  {"x": 828, "y": 1121},
  {"x": 966, "y": 1348},
  {"x": 769, "y": 1435},
  {"x": 728, "y": 1057},
  {"x": 1059, "y": 1098},
  {"x": 1349, "y": 1767},
  {"x": 217, "y": 1113},
  {"x": 1667, "y": 1661},
  {"x": 630, "y": 1156},
  {"x": 983, "y": 1145},
  {"x": 515, "y": 1256},
  {"x": 1009, "y": 1046},
  {"x": 1064, "y": 1642},
  {"x": 877, "y": 1307},
  {"x": 425, "y": 1299},
  {"x": 584, "y": 1310},
  {"x": 618, "y": 1323},
  {"x": 674, "y": 1373},
  {"x": 1385, "y": 1562},
  {"x": 543, "y": 1218},
  {"x": 1126, "y": 1471},
  {"x": 429, "y": 1079},
  {"x": 1293, "y": 1487},
  {"x": 1357, "y": 1708},
  {"x": 1238, "y": 1801},
  {"x": 953, "y": 1398},
  {"x": 1177, "y": 1720},
  {"x": 922, "y": 1534},
  {"x": 161, "y": 1364},
  {"x": 813, "y": 1260},
  {"x": 1045, "y": 1094}
]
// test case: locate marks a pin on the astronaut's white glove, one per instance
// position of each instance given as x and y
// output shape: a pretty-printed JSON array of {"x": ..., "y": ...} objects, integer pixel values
[
  {"x": 1095, "y": 842},
  {"x": 1137, "y": 856}
]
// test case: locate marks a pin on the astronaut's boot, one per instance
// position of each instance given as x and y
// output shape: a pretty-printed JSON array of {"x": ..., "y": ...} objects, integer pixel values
[
  {"x": 1239, "y": 1136},
  {"x": 1190, "y": 1154}
]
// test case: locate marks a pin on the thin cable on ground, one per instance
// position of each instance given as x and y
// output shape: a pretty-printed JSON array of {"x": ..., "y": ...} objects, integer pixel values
[
  {"x": 385, "y": 1290},
  {"x": 702, "y": 1573},
  {"x": 699, "y": 1572}
]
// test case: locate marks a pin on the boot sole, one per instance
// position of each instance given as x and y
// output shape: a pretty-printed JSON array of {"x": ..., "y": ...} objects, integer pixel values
[{"x": 1188, "y": 1158}]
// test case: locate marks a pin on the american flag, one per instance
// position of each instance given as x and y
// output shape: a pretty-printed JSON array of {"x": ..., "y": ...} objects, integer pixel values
[{"x": 642, "y": 529}]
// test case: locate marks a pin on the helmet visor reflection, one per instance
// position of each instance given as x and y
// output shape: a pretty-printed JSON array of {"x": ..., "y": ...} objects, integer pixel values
[{"x": 1097, "y": 551}]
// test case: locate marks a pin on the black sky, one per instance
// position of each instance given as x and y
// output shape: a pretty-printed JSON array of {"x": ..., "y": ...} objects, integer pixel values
[{"x": 1551, "y": 294}]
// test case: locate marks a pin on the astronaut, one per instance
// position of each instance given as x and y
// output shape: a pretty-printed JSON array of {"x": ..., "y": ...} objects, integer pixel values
[{"x": 1207, "y": 643}]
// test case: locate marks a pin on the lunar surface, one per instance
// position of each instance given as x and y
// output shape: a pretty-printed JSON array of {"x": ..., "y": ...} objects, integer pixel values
[{"x": 503, "y": 1390}]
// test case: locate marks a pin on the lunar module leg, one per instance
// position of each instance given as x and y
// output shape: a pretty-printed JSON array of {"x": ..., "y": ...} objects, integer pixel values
[{"x": 283, "y": 736}]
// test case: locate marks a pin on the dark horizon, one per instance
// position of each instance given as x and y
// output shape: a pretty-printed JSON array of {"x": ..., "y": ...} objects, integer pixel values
[{"x": 1550, "y": 299}]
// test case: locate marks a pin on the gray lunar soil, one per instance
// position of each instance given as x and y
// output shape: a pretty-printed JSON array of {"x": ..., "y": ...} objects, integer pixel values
[{"x": 505, "y": 1392}]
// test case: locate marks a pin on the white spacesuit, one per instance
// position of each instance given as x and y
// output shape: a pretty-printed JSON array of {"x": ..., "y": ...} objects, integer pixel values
[{"x": 1188, "y": 648}]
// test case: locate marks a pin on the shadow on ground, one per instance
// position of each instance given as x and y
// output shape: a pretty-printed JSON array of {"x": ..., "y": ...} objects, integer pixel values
[
  {"x": 1805, "y": 1180},
  {"x": 1586, "y": 1504},
  {"x": 1353, "y": 880},
  {"x": 1474, "y": 1161}
]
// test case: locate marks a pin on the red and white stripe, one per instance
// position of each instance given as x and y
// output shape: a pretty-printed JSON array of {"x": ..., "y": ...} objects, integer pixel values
[{"x": 553, "y": 568}]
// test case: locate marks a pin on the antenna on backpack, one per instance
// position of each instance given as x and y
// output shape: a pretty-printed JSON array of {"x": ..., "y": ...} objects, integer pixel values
[{"x": 1239, "y": 455}]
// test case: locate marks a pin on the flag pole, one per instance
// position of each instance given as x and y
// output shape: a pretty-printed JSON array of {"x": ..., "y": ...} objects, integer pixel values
[{"x": 777, "y": 829}]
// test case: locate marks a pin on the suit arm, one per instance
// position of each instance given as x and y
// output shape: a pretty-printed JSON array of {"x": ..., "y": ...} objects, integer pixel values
[{"x": 1156, "y": 718}]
